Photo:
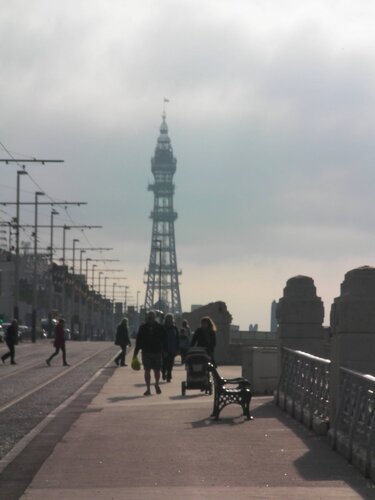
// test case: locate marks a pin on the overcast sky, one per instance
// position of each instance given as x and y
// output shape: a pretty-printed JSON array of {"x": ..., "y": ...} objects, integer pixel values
[{"x": 271, "y": 118}]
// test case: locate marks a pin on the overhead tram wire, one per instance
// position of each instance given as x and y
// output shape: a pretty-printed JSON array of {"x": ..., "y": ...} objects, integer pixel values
[{"x": 17, "y": 161}]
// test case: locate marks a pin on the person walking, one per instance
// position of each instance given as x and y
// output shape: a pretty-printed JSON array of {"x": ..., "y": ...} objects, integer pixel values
[
  {"x": 185, "y": 339},
  {"x": 205, "y": 336},
  {"x": 122, "y": 340},
  {"x": 172, "y": 346},
  {"x": 11, "y": 339},
  {"x": 59, "y": 343},
  {"x": 151, "y": 340}
]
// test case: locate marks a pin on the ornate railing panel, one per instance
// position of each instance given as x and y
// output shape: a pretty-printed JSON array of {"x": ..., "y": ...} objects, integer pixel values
[
  {"x": 303, "y": 389},
  {"x": 353, "y": 430}
]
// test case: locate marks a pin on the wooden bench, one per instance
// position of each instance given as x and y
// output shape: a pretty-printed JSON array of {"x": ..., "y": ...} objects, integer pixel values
[{"x": 224, "y": 395}]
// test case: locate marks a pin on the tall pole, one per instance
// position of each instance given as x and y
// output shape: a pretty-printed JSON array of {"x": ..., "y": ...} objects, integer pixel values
[
  {"x": 74, "y": 251},
  {"x": 93, "y": 269},
  {"x": 65, "y": 228},
  {"x": 105, "y": 286},
  {"x": 126, "y": 297},
  {"x": 33, "y": 314},
  {"x": 100, "y": 275},
  {"x": 87, "y": 270},
  {"x": 113, "y": 307},
  {"x": 138, "y": 292},
  {"x": 17, "y": 261},
  {"x": 80, "y": 260},
  {"x": 51, "y": 291}
]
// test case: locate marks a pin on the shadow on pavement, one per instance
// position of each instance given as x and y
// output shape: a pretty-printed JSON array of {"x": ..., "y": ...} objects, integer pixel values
[
  {"x": 209, "y": 421},
  {"x": 321, "y": 462},
  {"x": 117, "y": 399},
  {"x": 179, "y": 397}
]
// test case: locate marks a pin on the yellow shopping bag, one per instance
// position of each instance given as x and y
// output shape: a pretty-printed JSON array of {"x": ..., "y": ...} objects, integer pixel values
[{"x": 136, "y": 365}]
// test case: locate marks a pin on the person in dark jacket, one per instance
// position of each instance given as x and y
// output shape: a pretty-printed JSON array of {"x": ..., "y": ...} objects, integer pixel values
[
  {"x": 205, "y": 336},
  {"x": 11, "y": 339},
  {"x": 122, "y": 340},
  {"x": 172, "y": 347},
  {"x": 59, "y": 343},
  {"x": 151, "y": 340},
  {"x": 185, "y": 339}
]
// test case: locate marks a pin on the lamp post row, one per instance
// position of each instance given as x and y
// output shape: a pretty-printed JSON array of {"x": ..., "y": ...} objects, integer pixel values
[{"x": 51, "y": 226}]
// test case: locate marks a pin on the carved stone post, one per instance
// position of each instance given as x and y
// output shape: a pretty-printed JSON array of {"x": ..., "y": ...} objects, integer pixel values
[
  {"x": 353, "y": 327},
  {"x": 300, "y": 316}
]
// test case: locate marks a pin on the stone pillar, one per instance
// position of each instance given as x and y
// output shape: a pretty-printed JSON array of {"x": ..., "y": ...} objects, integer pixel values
[
  {"x": 353, "y": 327},
  {"x": 300, "y": 316}
]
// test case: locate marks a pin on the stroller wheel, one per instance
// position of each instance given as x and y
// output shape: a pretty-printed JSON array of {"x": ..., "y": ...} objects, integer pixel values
[{"x": 183, "y": 388}]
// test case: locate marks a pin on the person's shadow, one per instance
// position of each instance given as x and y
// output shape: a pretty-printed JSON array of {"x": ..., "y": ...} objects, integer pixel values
[{"x": 118, "y": 399}]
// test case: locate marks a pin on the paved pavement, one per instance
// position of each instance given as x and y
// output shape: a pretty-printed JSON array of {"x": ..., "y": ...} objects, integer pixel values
[{"x": 123, "y": 445}]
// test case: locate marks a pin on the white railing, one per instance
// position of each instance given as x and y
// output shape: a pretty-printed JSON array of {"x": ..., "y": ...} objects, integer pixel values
[
  {"x": 303, "y": 389},
  {"x": 353, "y": 430}
]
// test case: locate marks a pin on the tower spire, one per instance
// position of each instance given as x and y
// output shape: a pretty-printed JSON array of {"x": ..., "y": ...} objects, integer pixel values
[{"x": 163, "y": 291}]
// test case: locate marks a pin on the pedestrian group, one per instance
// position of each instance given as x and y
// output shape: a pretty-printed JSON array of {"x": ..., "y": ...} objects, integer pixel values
[{"x": 159, "y": 345}]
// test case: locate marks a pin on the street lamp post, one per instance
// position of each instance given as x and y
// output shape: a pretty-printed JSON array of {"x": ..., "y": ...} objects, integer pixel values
[
  {"x": 113, "y": 307},
  {"x": 51, "y": 292},
  {"x": 65, "y": 228},
  {"x": 88, "y": 303},
  {"x": 126, "y": 297},
  {"x": 34, "y": 306},
  {"x": 74, "y": 253},
  {"x": 80, "y": 260},
  {"x": 93, "y": 269},
  {"x": 17, "y": 261},
  {"x": 100, "y": 275},
  {"x": 138, "y": 292},
  {"x": 87, "y": 270}
]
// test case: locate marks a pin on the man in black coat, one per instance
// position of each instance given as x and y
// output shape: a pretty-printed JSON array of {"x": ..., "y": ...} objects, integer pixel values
[
  {"x": 151, "y": 340},
  {"x": 11, "y": 339}
]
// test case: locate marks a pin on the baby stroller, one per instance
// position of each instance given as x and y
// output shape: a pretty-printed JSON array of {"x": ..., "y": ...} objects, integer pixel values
[{"x": 197, "y": 373}]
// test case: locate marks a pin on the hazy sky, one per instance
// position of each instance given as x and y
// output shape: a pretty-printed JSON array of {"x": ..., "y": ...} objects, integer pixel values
[{"x": 271, "y": 118}]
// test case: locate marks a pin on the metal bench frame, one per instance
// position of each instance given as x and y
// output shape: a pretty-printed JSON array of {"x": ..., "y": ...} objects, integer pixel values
[{"x": 223, "y": 396}]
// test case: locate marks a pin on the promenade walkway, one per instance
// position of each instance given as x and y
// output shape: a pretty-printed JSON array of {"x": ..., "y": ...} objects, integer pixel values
[{"x": 127, "y": 446}]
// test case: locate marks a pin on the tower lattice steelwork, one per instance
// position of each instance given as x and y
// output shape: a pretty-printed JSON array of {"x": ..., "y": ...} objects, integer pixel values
[{"x": 163, "y": 290}]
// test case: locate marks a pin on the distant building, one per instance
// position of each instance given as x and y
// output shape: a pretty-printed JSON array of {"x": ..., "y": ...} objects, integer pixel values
[{"x": 273, "y": 327}]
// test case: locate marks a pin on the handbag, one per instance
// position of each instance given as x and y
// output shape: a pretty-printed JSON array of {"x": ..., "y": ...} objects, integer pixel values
[{"x": 136, "y": 365}]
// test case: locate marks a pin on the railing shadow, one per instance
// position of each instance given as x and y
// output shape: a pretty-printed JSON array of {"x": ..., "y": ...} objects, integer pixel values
[{"x": 321, "y": 462}]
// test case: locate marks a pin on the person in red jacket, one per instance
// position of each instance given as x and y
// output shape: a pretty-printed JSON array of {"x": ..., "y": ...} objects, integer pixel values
[{"x": 59, "y": 343}]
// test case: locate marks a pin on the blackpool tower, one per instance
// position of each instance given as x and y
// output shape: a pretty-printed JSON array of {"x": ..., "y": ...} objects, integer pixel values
[{"x": 163, "y": 292}]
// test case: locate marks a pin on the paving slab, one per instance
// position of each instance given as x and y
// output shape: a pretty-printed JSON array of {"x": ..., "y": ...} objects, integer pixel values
[{"x": 126, "y": 445}]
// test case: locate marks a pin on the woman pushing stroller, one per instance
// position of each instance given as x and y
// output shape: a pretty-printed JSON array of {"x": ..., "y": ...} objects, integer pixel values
[{"x": 205, "y": 336}]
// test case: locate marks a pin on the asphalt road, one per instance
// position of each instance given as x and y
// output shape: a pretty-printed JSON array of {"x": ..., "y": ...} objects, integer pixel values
[{"x": 30, "y": 390}]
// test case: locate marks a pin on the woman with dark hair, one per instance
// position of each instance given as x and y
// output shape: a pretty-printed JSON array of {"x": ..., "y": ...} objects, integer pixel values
[
  {"x": 122, "y": 340},
  {"x": 205, "y": 336},
  {"x": 172, "y": 347},
  {"x": 185, "y": 338}
]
